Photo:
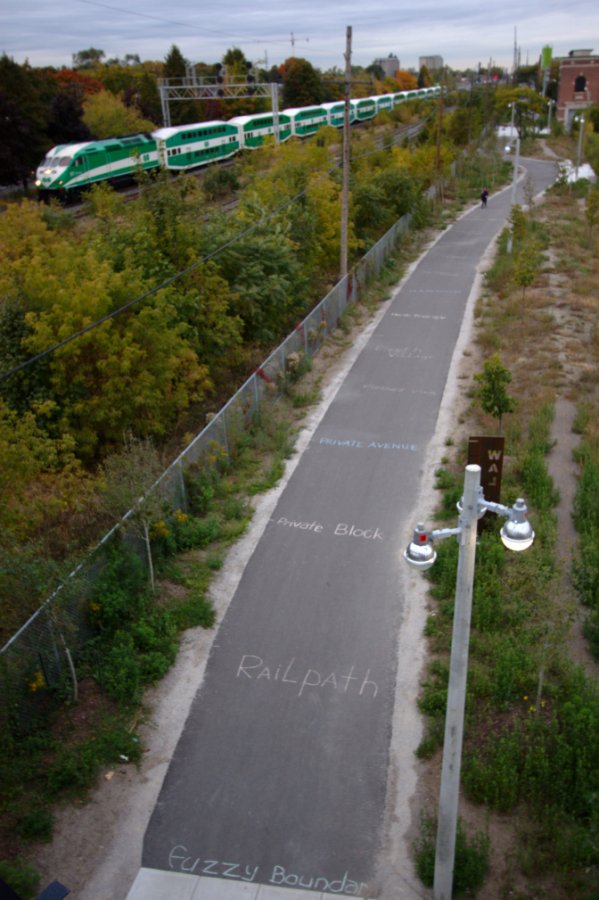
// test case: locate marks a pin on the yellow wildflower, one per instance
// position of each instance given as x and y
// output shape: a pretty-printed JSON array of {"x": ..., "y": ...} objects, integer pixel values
[{"x": 37, "y": 682}]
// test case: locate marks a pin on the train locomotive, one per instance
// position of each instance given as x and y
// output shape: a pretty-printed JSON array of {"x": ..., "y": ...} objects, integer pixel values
[{"x": 70, "y": 168}]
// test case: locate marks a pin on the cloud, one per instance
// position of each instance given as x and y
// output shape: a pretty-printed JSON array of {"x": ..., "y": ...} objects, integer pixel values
[{"x": 463, "y": 33}]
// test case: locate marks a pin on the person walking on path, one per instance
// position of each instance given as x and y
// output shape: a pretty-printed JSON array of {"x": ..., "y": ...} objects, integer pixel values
[{"x": 483, "y": 198}]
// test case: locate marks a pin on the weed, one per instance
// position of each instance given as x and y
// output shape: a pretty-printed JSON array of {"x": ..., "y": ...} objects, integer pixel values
[
  {"x": 75, "y": 768},
  {"x": 37, "y": 825},
  {"x": 21, "y": 877},
  {"x": 196, "y": 610},
  {"x": 471, "y": 858}
]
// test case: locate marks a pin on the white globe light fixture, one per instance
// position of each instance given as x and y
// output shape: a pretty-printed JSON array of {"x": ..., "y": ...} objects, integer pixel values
[
  {"x": 420, "y": 553},
  {"x": 516, "y": 534}
]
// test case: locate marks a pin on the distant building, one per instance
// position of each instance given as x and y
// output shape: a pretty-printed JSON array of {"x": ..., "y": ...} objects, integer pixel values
[
  {"x": 578, "y": 84},
  {"x": 389, "y": 65},
  {"x": 431, "y": 62}
]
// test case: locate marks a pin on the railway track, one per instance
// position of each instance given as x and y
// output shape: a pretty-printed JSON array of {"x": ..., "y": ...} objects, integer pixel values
[{"x": 78, "y": 211}]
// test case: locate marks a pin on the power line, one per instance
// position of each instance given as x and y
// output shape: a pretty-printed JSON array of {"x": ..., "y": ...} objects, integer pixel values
[
  {"x": 201, "y": 29},
  {"x": 151, "y": 292},
  {"x": 141, "y": 15}
]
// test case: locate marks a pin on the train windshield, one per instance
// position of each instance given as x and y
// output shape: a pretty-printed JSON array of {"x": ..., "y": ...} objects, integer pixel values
[{"x": 52, "y": 162}]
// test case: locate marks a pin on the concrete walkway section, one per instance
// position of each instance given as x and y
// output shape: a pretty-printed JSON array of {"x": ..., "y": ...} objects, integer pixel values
[
  {"x": 279, "y": 782},
  {"x": 153, "y": 885}
]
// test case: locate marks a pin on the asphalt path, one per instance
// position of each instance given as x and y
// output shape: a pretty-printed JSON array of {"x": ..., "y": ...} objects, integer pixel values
[{"x": 280, "y": 775}]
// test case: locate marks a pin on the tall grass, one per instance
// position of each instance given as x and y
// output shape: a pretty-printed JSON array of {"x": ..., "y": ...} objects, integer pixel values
[{"x": 531, "y": 748}]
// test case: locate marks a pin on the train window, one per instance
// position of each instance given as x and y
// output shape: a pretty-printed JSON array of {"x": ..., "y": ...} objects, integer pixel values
[{"x": 64, "y": 161}]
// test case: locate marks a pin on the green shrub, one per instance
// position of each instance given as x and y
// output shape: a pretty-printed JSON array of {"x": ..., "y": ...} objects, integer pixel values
[
  {"x": 433, "y": 738},
  {"x": 200, "y": 488},
  {"x": 119, "y": 594},
  {"x": 120, "y": 670},
  {"x": 586, "y": 500},
  {"x": 75, "y": 768},
  {"x": 490, "y": 771},
  {"x": 471, "y": 858},
  {"x": 537, "y": 483},
  {"x": 512, "y": 670},
  {"x": 36, "y": 825},
  {"x": 218, "y": 182},
  {"x": 190, "y": 532},
  {"x": 21, "y": 877},
  {"x": 73, "y": 771},
  {"x": 235, "y": 508},
  {"x": 193, "y": 612}
]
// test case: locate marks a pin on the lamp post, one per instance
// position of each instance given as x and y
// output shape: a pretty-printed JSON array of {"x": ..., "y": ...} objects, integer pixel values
[
  {"x": 513, "y": 108},
  {"x": 516, "y": 534},
  {"x": 580, "y": 120},
  {"x": 550, "y": 105},
  {"x": 514, "y": 183}
]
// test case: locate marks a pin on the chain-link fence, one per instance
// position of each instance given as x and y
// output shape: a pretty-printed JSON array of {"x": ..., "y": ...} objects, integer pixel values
[{"x": 42, "y": 653}]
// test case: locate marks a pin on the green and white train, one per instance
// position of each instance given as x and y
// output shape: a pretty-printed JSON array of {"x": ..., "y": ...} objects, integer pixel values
[{"x": 70, "y": 168}]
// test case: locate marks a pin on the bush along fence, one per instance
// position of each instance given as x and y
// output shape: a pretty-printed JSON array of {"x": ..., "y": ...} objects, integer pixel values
[{"x": 42, "y": 657}]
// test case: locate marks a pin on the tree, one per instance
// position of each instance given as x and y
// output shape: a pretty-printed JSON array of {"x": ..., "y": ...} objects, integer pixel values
[
  {"x": 527, "y": 265},
  {"x": 130, "y": 484},
  {"x": 137, "y": 369},
  {"x": 25, "y": 98},
  {"x": 376, "y": 70},
  {"x": 424, "y": 77},
  {"x": 66, "y": 123},
  {"x": 492, "y": 393},
  {"x": 235, "y": 62},
  {"x": 85, "y": 59},
  {"x": 107, "y": 116},
  {"x": 519, "y": 225},
  {"x": 15, "y": 134},
  {"x": 591, "y": 211},
  {"x": 529, "y": 108},
  {"x": 301, "y": 83},
  {"x": 265, "y": 277},
  {"x": 405, "y": 80},
  {"x": 175, "y": 64},
  {"x": 184, "y": 111}
]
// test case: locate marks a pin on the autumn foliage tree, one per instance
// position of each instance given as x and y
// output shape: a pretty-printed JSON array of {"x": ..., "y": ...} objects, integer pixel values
[
  {"x": 405, "y": 80},
  {"x": 107, "y": 116}
]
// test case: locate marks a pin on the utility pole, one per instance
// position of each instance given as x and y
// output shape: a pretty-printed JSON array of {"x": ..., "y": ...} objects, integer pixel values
[{"x": 346, "y": 154}]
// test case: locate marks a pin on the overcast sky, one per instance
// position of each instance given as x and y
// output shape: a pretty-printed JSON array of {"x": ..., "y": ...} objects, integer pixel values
[{"x": 465, "y": 33}]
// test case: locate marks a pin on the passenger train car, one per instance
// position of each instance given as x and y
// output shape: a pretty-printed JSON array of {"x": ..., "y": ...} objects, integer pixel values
[{"x": 69, "y": 168}]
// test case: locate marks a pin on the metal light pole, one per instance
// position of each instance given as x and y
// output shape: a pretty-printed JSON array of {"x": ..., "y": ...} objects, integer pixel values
[
  {"x": 513, "y": 106},
  {"x": 456, "y": 692},
  {"x": 343, "y": 264},
  {"x": 579, "y": 150},
  {"x": 516, "y": 534},
  {"x": 514, "y": 184}
]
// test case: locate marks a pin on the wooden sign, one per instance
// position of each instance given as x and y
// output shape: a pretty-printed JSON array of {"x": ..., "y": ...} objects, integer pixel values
[{"x": 487, "y": 452}]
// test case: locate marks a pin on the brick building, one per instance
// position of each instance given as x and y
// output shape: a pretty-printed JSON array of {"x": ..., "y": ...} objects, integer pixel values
[{"x": 578, "y": 84}]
